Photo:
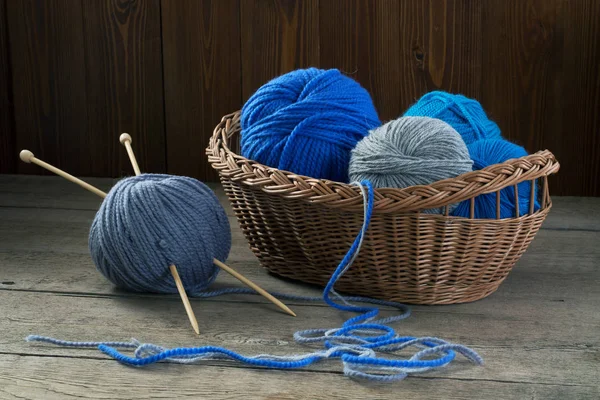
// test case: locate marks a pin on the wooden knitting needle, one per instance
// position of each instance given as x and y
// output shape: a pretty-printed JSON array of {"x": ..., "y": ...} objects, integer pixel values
[
  {"x": 254, "y": 286},
  {"x": 184, "y": 299},
  {"x": 28, "y": 157},
  {"x": 126, "y": 140}
]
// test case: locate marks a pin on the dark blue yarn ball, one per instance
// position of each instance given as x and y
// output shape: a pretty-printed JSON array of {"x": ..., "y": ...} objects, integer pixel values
[
  {"x": 488, "y": 152},
  {"x": 148, "y": 222},
  {"x": 307, "y": 122},
  {"x": 462, "y": 113}
]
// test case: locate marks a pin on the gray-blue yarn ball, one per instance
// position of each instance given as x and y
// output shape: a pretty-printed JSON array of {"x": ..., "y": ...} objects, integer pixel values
[
  {"x": 148, "y": 222},
  {"x": 410, "y": 151}
]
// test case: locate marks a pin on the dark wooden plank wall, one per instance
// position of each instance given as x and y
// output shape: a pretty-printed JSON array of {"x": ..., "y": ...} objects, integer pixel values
[
  {"x": 124, "y": 84},
  {"x": 7, "y": 133},
  {"x": 75, "y": 74},
  {"x": 201, "y": 50},
  {"x": 82, "y": 71}
]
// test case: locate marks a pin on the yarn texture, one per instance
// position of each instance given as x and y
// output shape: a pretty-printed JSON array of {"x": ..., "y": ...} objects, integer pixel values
[
  {"x": 462, "y": 113},
  {"x": 488, "y": 152},
  {"x": 307, "y": 122},
  {"x": 148, "y": 222},
  {"x": 410, "y": 151},
  {"x": 362, "y": 344}
]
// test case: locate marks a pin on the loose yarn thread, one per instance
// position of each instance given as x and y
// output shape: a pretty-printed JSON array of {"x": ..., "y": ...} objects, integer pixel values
[
  {"x": 356, "y": 343},
  {"x": 489, "y": 152},
  {"x": 462, "y": 113},
  {"x": 410, "y": 151},
  {"x": 307, "y": 122}
]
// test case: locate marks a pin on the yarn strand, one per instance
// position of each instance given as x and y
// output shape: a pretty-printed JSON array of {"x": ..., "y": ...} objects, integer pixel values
[{"x": 359, "y": 343}]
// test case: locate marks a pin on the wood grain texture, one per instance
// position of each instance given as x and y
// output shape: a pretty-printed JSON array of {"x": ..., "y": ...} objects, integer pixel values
[
  {"x": 202, "y": 67},
  {"x": 541, "y": 76},
  {"x": 538, "y": 332},
  {"x": 8, "y": 155},
  {"x": 124, "y": 85},
  {"x": 578, "y": 140},
  {"x": 400, "y": 50},
  {"x": 74, "y": 73},
  {"x": 48, "y": 70},
  {"x": 362, "y": 42},
  {"x": 241, "y": 327},
  {"x": 278, "y": 36},
  {"x": 28, "y": 376}
]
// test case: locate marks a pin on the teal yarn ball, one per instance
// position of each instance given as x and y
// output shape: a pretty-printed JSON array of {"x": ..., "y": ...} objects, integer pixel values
[
  {"x": 410, "y": 151},
  {"x": 307, "y": 122},
  {"x": 489, "y": 152},
  {"x": 462, "y": 113},
  {"x": 148, "y": 222}
]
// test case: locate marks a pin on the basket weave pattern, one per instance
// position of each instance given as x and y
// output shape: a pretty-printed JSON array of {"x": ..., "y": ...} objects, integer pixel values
[{"x": 300, "y": 227}]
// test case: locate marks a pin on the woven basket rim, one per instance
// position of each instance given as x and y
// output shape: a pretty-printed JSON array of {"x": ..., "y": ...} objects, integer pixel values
[{"x": 348, "y": 197}]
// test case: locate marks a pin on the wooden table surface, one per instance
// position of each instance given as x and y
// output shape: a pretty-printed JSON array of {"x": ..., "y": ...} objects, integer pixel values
[{"x": 539, "y": 333}]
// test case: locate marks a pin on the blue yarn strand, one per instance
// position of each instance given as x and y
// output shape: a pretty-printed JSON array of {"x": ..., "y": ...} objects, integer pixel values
[{"x": 359, "y": 343}]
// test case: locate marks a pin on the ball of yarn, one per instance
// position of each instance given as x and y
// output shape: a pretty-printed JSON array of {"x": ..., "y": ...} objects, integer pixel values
[
  {"x": 307, "y": 122},
  {"x": 148, "y": 222},
  {"x": 488, "y": 152},
  {"x": 462, "y": 113},
  {"x": 410, "y": 151}
]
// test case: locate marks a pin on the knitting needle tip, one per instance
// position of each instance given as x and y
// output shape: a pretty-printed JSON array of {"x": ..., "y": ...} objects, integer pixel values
[
  {"x": 126, "y": 140},
  {"x": 125, "y": 137},
  {"x": 26, "y": 156},
  {"x": 287, "y": 310}
]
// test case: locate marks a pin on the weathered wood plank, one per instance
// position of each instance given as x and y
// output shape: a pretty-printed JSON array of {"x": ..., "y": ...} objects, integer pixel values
[
  {"x": 574, "y": 213},
  {"x": 545, "y": 311},
  {"x": 30, "y": 377},
  {"x": 49, "y": 192},
  {"x": 502, "y": 340},
  {"x": 56, "y": 237},
  {"x": 500, "y": 319},
  {"x": 537, "y": 277}
]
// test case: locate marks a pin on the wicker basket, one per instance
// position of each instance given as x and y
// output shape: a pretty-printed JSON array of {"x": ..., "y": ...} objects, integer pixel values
[{"x": 301, "y": 227}]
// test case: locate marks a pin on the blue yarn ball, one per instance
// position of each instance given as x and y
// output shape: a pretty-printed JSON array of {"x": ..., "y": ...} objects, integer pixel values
[
  {"x": 488, "y": 152},
  {"x": 307, "y": 122},
  {"x": 148, "y": 222},
  {"x": 462, "y": 113}
]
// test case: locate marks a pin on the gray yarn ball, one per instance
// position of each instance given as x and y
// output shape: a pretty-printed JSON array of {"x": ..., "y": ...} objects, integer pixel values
[{"x": 410, "y": 151}]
